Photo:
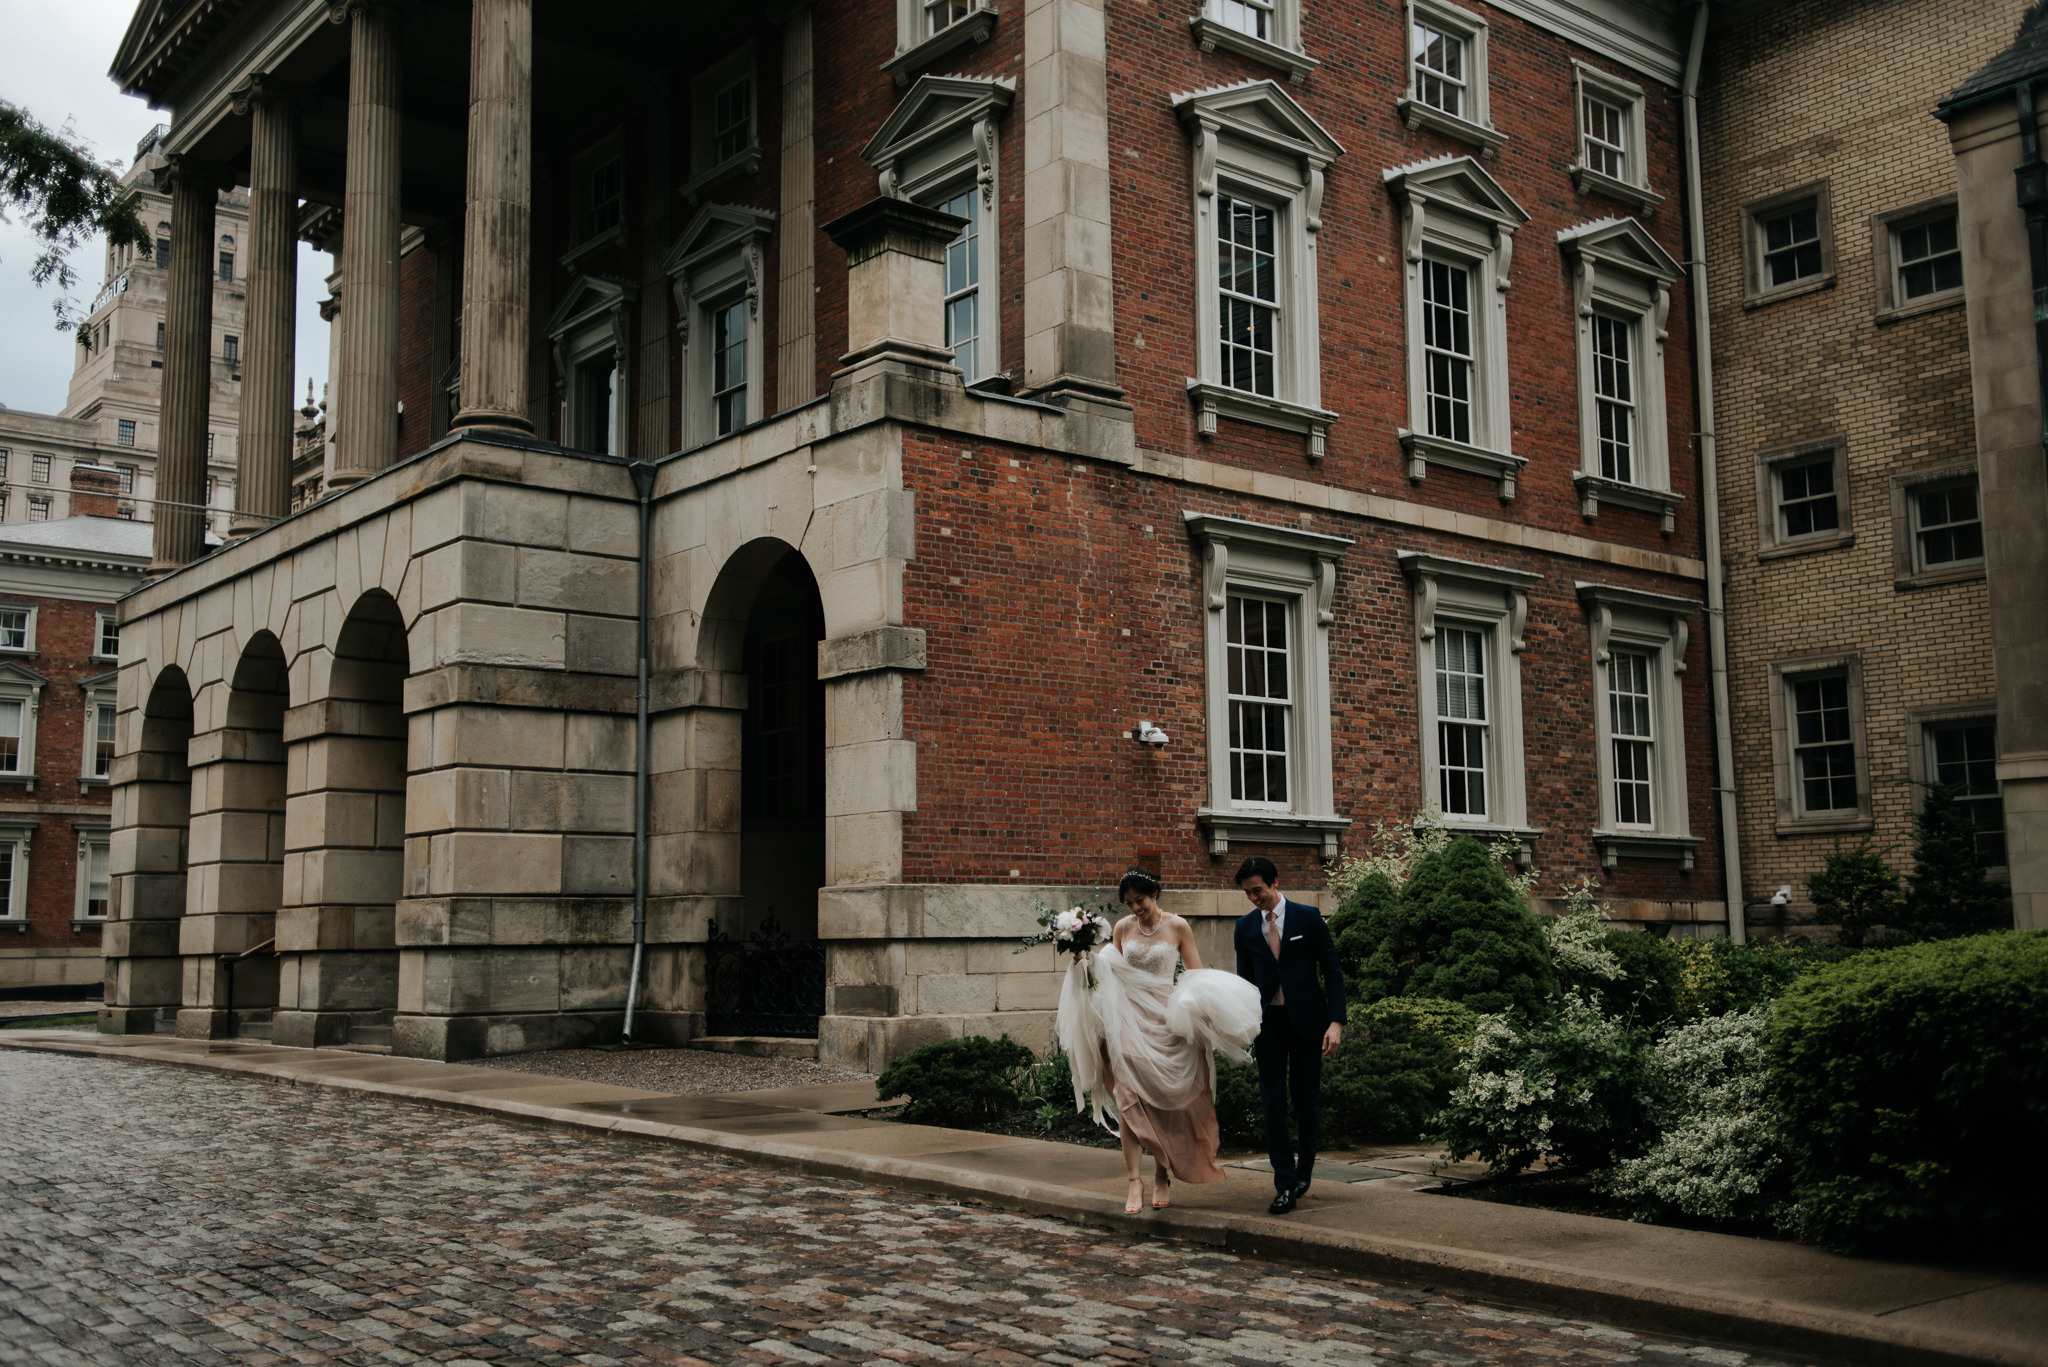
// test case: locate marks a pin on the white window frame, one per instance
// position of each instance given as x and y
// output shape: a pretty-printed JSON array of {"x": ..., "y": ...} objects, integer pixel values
[
  {"x": 16, "y": 835},
  {"x": 99, "y": 702},
  {"x": 91, "y": 837},
  {"x": 28, "y": 629},
  {"x": 1252, "y": 141},
  {"x": 705, "y": 88},
  {"x": 585, "y": 239},
  {"x": 594, "y": 319},
  {"x": 1792, "y": 816},
  {"x": 1621, "y": 273},
  {"x": 103, "y": 622},
  {"x": 1659, "y": 627},
  {"x": 1299, "y": 570},
  {"x": 1909, "y": 568},
  {"x": 1495, "y": 602},
  {"x": 1632, "y": 186},
  {"x": 1475, "y": 124},
  {"x": 39, "y": 463},
  {"x": 20, "y": 684},
  {"x": 917, "y": 46},
  {"x": 1220, "y": 24},
  {"x": 718, "y": 259},
  {"x": 943, "y": 139},
  {"x": 1454, "y": 212}
]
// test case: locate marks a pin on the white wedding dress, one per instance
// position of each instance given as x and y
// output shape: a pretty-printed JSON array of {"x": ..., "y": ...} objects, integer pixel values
[{"x": 1143, "y": 1047}]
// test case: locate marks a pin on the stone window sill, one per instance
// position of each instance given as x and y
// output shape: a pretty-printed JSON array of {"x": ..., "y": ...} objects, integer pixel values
[
  {"x": 1275, "y": 828},
  {"x": 1948, "y": 574},
  {"x": 1590, "y": 182},
  {"x": 975, "y": 28},
  {"x": 1416, "y": 114},
  {"x": 614, "y": 236},
  {"x": 1933, "y": 303},
  {"x": 746, "y": 163},
  {"x": 1828, "y": 825},
  {"x": 1597, "y": 489},
  {"x": 1614, "y": 845},
  {"x": 1424, "y": 451},
  {"x": 25, "y": 780},
  {"x": 1487, "y": 832},
  {"x": 79, "y": 923},
  {"x": 1824, "y": 281},
  {"x": 1210, "y": 35},
  {"x": 1806, "y": 546},
  {"x": 1214, "y": 400},
  {"x": 92, "y": 781}
]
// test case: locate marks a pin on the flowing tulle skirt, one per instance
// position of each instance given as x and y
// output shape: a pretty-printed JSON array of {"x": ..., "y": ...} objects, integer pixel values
[{"x": 1142, "y": 1048}]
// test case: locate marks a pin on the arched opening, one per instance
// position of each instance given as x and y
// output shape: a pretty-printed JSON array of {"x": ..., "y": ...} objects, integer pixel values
[
  {"x": 765, "y": 972},
  {"x": 147, "y": 863},
  {"x": 244, "y": 797},
  {"x": 345, "y": 855}
]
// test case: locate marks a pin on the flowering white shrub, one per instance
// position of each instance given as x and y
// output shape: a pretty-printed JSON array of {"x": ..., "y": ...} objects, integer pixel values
[
  {"x": 1396, "y": 847},
  {"x": 1720, "y": 1152},
  {"x": 1575, "y": 937}
]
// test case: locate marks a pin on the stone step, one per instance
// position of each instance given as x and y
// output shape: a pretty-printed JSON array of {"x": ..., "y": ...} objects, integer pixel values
[
  {"x": 758, "y": 1046},
  {"x": 374, "y": 1035},
  {"x": 253, "y": 1030}
]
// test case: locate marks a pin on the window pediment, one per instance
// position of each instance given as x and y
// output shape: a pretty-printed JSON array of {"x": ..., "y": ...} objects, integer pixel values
[
  {"x": 923, "y": 134},
  {"x": 1611, "y": 605},
  {"x": 1456, "y": 185},
  {"x": 1621, "y": 245},
  {"x": 589, "y": 299},
  {"x": 21, "y": 676},
  {"x": 719, "y": 233},
  {"x": 1261, "y": 114}
]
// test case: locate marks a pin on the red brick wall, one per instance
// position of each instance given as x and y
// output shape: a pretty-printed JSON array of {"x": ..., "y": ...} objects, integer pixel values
[
  {"x": 416, "y": 373},
  {"x": 65, "y": 637}
]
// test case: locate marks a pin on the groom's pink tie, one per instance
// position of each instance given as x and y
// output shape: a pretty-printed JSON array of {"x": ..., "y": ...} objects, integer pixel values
[{"x": 1273, "y": 943}]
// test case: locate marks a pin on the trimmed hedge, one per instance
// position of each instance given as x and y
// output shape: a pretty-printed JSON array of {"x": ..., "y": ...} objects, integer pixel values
[
  {"x": 1400, "y": 1058},
  {"x": 955, "y": 1080},
  {"x": 1906, "y": 1076}
]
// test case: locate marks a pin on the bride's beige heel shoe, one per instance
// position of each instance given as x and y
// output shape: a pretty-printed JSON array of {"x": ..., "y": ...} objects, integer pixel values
[
  {"x": 1134, "y": 1201},
  {"x": 1162, "y": 1191}
]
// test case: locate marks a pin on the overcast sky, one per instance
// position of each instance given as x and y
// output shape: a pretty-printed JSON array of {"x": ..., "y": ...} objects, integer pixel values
[{"x": 53, "y": 62}]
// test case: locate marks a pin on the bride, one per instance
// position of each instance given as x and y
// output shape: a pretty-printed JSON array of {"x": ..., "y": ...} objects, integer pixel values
[{"x": 1145, "y": 1044}]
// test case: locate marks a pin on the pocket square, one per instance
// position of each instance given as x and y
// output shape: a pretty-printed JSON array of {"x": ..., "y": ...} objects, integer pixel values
[{"x": 1293, "y": 938}]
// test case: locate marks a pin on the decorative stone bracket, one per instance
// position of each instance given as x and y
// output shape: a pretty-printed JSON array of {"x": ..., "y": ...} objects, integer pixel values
[
  {"x": 1426, "y": 570},
  {"x": 864, "y": 652}
]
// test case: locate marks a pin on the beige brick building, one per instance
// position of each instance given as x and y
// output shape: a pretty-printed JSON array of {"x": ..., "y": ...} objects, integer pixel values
[{"x": 1860, "y": 651}]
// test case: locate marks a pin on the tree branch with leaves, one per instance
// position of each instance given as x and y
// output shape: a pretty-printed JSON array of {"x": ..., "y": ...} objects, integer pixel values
[{"x": 65, "y": 197}]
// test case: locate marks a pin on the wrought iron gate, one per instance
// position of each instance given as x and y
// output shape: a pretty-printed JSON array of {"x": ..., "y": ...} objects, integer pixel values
[{"x": 767, "y": 984}]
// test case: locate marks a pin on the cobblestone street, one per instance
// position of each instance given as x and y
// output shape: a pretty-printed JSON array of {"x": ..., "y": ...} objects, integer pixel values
[{"x": 152, "y": 1215}]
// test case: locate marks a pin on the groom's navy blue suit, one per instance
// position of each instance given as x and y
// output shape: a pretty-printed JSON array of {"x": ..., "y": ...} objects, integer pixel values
[{"x": 1290, "y": 1043}]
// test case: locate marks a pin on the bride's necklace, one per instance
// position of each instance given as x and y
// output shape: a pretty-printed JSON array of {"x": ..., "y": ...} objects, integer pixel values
[{"x": 1148, "y": 933}]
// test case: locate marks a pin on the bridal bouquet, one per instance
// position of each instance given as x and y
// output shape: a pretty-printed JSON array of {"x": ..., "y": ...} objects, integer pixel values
[{"x": 1073, "y": 931}]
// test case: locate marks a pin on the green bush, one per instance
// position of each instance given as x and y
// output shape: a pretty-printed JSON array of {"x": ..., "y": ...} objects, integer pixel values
[
  {"x": 1574, "y": 1091},
  {"x": 1720, "y": 1147},
  {"x": 1240, "y": 1116},
  {"x": 1460, "y": 932},
  {"x": 1906, "y": 1076},
  {"x": 1400, "y": 1058},
  {"x": 958, "y": 1081},
  {"x": 1949, "y": 894},
  {"x": 1363, "y": 922},
  {"x": 1720, "y": 976},
  {"x": 1647, "y": 990},
  {"x": 1857, "y": 891}
]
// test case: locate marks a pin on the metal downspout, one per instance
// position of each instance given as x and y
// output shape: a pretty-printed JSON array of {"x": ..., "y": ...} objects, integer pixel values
[
  {"x": 1710, "y": 492},
  {"x": 643, "y": 485}
]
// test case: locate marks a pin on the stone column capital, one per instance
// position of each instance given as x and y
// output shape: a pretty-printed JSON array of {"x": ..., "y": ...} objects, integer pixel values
[
  {"x": 262, "y": 88},
  {"x": 181, "y": 168},
  {"x": 341, "y": 11}
]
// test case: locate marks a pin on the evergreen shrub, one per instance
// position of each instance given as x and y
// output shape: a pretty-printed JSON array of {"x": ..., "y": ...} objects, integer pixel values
[
  {"x": 1857, "y": 891},
  {"x": 1362, "y": 923},
  {"x": 1911, "y": 1079},
  {"x": 1458, "y": 931},
  {"x": 958, "y": 1081},
  {"x": 1949, "y": 894},
  {"x": 1720, "y": 976},
  {"x": 1400, "y": 1058}
]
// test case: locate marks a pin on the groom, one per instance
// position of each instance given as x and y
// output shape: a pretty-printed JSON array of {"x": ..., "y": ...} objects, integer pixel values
[{"x": 1280, "y": 944}]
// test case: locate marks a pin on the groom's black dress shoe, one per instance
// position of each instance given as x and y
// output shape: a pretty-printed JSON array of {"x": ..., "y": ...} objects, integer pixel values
[
  {"x": 1298, "y": 1190},
  {"x": 1282, "y": 1203}
]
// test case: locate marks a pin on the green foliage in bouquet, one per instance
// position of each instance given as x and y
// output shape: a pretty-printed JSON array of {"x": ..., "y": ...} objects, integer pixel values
[
  {"x": 1904, "y": 1075},
  {"x": 1459, "y": 931},
  {"x": 1400, "y": 1059},
  {"x": 958, "y": 1081}
]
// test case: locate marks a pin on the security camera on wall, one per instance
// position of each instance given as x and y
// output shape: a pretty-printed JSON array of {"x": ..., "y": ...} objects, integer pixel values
[{"x": 1150, "y": 734}]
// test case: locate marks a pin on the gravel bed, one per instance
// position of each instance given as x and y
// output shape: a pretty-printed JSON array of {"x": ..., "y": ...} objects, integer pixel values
[{"x": 682, "y": 1072}]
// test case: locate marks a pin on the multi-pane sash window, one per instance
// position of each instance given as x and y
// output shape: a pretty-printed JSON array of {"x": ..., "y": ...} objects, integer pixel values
[
  {"x": 1806, "y": 499},
  {"x": 13, "y": 628},
  {"x": 1965, "y": 757},
  {"x": 1633, "y": 738},
  {"x": 1791, "y": 245},
  {"x": 1930, "y": 260},
  {"x": 1606, "y": 137},
  {"x": 732, "y": 115},
  {"x": 963, "y": 285},
  {"x": 39, "y": 468},
  {"x": 1259, "y": 661},
  {"x": 109, "y": 636},
  {"x": 127, "y": 473},
  {"x": 1447, "y": 349},
  {"x": 1440, "y": 68},
  {"x": 1948, "y": 525},
  {"x": 231, "y": 349},
  {"x": 1248, "y": 294},
  {"x": 227, "y": 267},
  {"x": 103, "y": 738},
  {"x": 163, "y": 253},
  {"x": 1614, "y": 396},
  {"x": 1247, "y": 16},
  {"x": 596, "y": 414},
  {"x": 603, "y": 208},
  {"x": 125, "y": 432},
  {"x": 1823, "y": 749},
  {"x": 38, "y": 508},
  {"x": 1461, "y": 721},
  {"x": 12, "y": 712},
  {"x": 159, "y": 336},
  {"x": 943, "y": 14},
  {"x": 3, "y": 464},
  {"x": 729, "y": 365},
  {"x": 93, "y": 872}
]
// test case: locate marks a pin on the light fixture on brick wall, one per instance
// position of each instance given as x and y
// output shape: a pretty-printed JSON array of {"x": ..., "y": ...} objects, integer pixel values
[{"x": 1149, "y": 733}]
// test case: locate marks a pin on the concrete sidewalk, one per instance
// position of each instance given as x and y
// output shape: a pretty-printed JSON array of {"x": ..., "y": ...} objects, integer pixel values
[{"x": 1785, "y": 1297}]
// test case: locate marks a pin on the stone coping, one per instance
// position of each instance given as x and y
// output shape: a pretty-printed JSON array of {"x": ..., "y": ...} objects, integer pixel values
[{"x": 1788, "y": 1297}]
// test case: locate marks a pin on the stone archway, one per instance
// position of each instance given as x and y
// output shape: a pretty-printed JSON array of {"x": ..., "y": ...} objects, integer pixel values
[
  {"x": 237, "y": 854},
  {"x": 345, "y": 839},
  {"x": 146, "y": 864}
]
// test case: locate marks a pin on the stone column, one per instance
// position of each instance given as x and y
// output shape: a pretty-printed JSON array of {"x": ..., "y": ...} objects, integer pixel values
[
  {"x": 497, "y": 316},
  {"x": 1069, "y": 306},
  {"x": 796, "y": 313},
  {"x": 179, "y": 530},
  {"x": 366, "y": 409},
  {"x": 263, "y": 474}
]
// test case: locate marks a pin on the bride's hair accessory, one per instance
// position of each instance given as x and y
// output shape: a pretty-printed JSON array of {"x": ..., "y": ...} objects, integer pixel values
[{"x": 1144, "y": 882}]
